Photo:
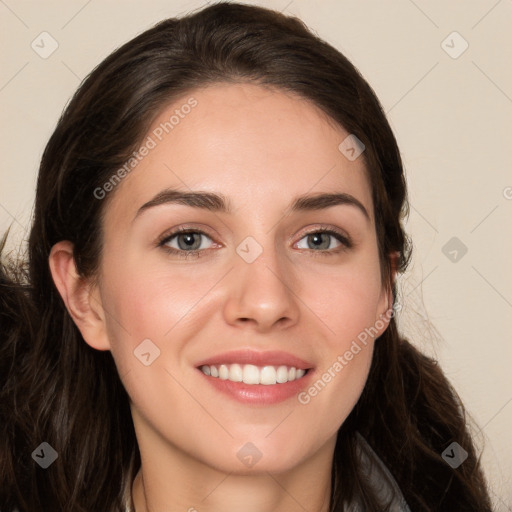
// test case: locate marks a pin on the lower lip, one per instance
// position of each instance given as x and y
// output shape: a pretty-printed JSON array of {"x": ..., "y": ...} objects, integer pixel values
[{"x": 259, "y": 394}]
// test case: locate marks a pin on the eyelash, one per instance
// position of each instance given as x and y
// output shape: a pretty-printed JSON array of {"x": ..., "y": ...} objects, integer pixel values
[{"x": 197, "y": 253}]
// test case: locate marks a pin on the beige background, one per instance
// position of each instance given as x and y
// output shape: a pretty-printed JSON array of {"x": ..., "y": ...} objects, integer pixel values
[{"x": 453, "y": 121}]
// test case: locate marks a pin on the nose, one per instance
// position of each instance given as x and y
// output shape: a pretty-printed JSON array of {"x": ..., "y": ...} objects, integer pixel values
[{"x": 264, "y": 293}]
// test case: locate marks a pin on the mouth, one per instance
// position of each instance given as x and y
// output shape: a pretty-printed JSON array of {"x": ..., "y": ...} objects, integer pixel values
[{"x": 253, "y": 377}]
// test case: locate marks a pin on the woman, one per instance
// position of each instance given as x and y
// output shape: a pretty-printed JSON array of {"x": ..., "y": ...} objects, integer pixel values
[{"x": 261, "y": 371}]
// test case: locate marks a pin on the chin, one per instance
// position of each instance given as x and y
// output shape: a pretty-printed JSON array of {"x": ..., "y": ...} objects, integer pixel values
[{"x": 259, "y": 455}]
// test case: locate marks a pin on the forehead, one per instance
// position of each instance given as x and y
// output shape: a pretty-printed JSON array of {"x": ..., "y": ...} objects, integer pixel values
[{"x": 251, "y": 143}]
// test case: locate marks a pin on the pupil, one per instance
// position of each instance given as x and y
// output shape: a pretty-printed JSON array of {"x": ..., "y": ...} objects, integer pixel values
[
  {"x": 188, "y": 239},
  {"x": 317, "y": 240}
]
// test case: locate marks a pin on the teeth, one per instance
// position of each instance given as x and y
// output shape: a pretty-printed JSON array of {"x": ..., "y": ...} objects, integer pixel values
[
  {"x": 251, "y": 374},
  {"x": 282, "y": 374},
  {"x": 267, "y": 375},
  {"x": 223, "y": 372},
  {"x": 235, "y": 373}
]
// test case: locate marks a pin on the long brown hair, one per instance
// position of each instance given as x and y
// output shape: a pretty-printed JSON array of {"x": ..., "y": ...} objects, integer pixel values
[{"x": 59, "y": 390}]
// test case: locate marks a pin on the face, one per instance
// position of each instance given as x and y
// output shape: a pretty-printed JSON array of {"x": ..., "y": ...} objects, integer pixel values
[{"x": 257, "y": 281}]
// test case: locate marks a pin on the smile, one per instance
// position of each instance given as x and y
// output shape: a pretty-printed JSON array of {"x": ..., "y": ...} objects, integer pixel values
[{"x": 251, "y": 374}]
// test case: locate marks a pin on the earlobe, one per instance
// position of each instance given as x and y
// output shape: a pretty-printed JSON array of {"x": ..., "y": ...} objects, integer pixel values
[{"x": 83, "y": 306}]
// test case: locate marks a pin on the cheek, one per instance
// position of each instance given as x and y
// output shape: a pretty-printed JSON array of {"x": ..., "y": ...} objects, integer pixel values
[
  {"x": 141, "y": 299},
  {"x": 346, "y": 357},
  {"x": 147, "y": 301},
  {"x": 151, "y": 313},
  {"x": 346, "y": 298}
]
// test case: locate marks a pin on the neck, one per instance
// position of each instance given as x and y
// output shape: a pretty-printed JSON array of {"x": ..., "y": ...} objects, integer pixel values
[{"x": 194, "y": 487}]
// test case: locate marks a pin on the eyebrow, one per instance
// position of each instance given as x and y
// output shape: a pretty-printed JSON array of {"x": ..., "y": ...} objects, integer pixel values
[{"x": 219, "y": 203}]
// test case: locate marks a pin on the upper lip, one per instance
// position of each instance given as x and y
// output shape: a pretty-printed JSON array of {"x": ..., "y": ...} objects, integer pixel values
[{"x": 257, "y": 358}]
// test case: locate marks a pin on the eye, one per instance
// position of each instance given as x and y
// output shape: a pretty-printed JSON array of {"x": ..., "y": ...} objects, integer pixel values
[
  {"x": 321, "y": 241},
  {"x": 184, "y": 242},
  {"x": 187, "y": 242}
]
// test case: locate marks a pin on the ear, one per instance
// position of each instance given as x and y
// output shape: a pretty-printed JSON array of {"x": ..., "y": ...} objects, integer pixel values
[
  {"x": 385, "y": 308},
  {"x": 82, "y": 300}
]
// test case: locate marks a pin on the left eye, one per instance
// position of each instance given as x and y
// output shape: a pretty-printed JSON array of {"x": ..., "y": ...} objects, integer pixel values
[{"x": 322, "y": 240}]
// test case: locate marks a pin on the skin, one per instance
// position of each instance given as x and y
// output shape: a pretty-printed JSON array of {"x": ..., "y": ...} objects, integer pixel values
[{"x": 260, "y": 148}]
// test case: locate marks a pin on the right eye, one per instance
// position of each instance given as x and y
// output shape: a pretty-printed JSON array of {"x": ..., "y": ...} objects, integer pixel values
[{"x": 187, "y": 242}]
